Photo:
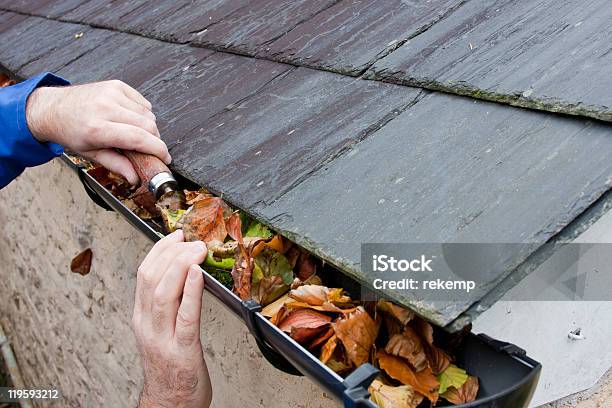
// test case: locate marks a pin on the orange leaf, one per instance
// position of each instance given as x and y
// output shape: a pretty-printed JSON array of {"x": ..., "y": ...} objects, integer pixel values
[
  {"x": 233, "y": 225},
  {"x": 323, "y": 337},
  {"x": 205, "y": 221},
  {"x": 81, "y": 263},
  {"x": 408, "y": 345},
  {"x": 304, "y": 318},
  {"x": 357, "y": 331},
  {"x": 423, "y": 382},
  {"x": 305, "y": 335},
  {"x": 402, "y": 314},
  {"x": 467, "y": 393},
  {"x": 241, "y": 273},
  {"x": 328, "y": 349}
]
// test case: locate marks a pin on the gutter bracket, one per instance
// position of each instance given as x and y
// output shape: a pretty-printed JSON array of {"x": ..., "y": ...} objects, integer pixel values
[
  {"x": 356, "y": 394},
  {"x": 249, "y": 308}
]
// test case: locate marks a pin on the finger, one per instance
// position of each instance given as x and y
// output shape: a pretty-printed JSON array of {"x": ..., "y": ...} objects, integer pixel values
[
  {"x": 135, "y": 96},
  {"x": 168, "y": 292},
  {"x": 147, "y": 272},
  {"x": 127, "y": 103},
  {"x": 145, "y": 122},
  {"x": 161, "y": 246},
  {"x": 115, "y": 162},
  {"x": 129, "y": 137},
  {"x": 187, "y": 330}
]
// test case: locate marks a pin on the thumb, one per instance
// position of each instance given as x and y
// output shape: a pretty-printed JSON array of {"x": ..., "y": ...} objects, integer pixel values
[{"x": 187, "y": 330}]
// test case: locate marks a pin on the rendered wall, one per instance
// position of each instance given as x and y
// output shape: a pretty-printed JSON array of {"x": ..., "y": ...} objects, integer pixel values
[{"x": 73, "y": 332}]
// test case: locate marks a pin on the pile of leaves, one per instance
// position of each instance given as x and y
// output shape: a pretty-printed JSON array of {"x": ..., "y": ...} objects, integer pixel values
[
  {"x": 283, "y": 278},
  {"x": 346, "y": 334}
]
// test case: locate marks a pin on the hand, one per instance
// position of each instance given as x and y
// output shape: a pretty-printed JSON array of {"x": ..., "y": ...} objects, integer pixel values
[
  {"x": 93, "y": 119},
  {"x": 168, "y": 328}
]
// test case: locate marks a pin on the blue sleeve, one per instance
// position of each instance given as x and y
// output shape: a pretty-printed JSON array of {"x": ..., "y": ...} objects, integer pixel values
[{"x": 18, "y": 148}]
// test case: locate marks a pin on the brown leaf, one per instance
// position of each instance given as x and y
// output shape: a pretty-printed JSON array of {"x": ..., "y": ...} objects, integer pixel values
[
  {"x": 143, "y": 198},
  {"x": 241, "y": 273},
  {"x": 81, "y": 263},
  {"x": 357, "y": 331},
  {"x": 423, "y": 382},
  {"x": 402, "y": 314},
  {"x": 279, "y": 316},
  {"x": 205, "y": 221},
  {"x": 325, "y": 307},
  {"x": 314, "y": 295},
  {"x": 171, "y": 200},
  {"x": 192, "y": 197},
  {"x": 408, "y": 345},
  {"x": 328, "y": 349},
  {"x": 304, "y": 318},
  {"x": 233, "y": 225},
  {"x": 424, "y": 329},
  {"x": 304, "y": 335},
  {"x": 437, "y": 359},
  {"x": 387, "y": 396},
  {"x": 467, "y": 393},
  {"x": 273, "y": 308},
  {"x": 5, "y": 81},
  {"x": 322, "y": 338},
  {"x": 306, "y": 266}
]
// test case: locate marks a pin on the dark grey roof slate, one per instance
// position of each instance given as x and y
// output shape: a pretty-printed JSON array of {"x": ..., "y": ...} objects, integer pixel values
[
  {"x": 450, "y": 169},
  {"x": 547, "y": 55},
  {"x": 330, "y": 159},
  {"x": 351, "y": 35}
]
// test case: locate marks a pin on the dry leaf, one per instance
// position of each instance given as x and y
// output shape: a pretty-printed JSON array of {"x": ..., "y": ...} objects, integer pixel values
[
  {"x": 387, "y": 396},
  {"x": 205, "y": 221},
  {"x": 423, "y": 382},
  {"x": 172, "y": 219},
  {"x": 5, "y": 81},
  {"x": 408, "y": 345},
  {"x": 314, "y": 295},
  {"x": 81, "y": 263},
  {"x": 467, "y": 393},
  {"x": 328, "y": 349},
  {"x": 191, "y": 197},
  {"x": 242, "y": 273},
  {"x": 357, "y": 331},
  {"x": 323, "y": 337},
  {"x": 437, "y": 359},
  {"x": 304, "y": 335},
  {"x": 402, "y": 315},
  {"x": 424, "y": 329},
  {"x": 304, "y": 318},
  {"x": 273, "y": 308}
]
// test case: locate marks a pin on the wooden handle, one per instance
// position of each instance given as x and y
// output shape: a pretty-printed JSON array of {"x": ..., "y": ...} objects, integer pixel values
[{"x": 146, "y": 165}]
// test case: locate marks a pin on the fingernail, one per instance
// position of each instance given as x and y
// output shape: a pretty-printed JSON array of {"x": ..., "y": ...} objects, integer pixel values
[
  {"x": 194, "y": 271},
  {"x": 198, "y": 247},
  {"x": 168, "y": 159}
]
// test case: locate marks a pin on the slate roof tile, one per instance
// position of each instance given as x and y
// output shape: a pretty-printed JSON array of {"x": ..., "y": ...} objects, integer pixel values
[
  {"x": 333, "y": 160},
  {"x": 450, "y": 169},
  {"x": 547, "y": 55}
]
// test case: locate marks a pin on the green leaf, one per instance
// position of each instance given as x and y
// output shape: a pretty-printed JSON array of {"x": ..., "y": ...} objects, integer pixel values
[
  {"x": 221, "y": 263},
  {"x": 274, "y": 263},
  {"x": 453, "y": 376},
  {"x": 171, "y": 218},
  {"x": 258, "y": 230}
]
